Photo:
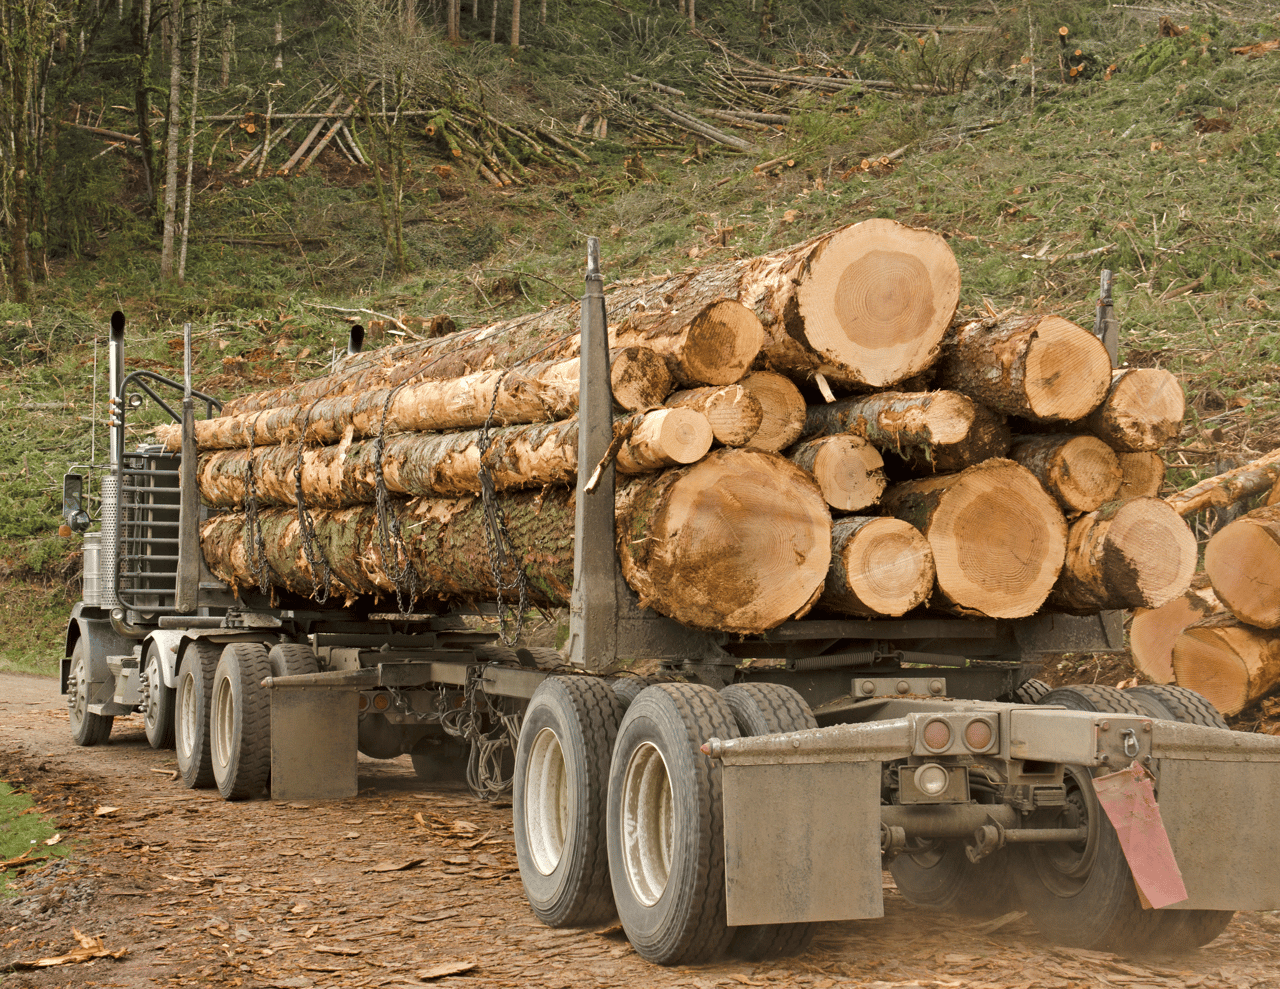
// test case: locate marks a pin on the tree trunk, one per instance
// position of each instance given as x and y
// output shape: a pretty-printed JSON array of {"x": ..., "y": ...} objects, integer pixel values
[
  {"x": 142, "y": 96},
  {"x": 1141, "y": 475},
  {"x": 225, "y": 45},
  {"x": 1082, "y": 472},
  {"x": 1229, "y": 663},
  {"x": 1243, "y": 562},
  {"x": 705, "y": 544},
  {"x": 1142, "y": 411},
  {"x": 878, "y": 567},
  {"x": 278, "y": 62},
  {"x": 197, "y": 31},
  {"x": 848, "y": 469},
  {"x": 173, "y": 132},
  {"x": 734, "y": 413},
  {"x": 20, "y": 206},
  {"x": 413, "y": 464},
  {"x": 997, "y": 537},
  {"x": 782, "y": 411},
  {"x": 1153, "y": 631},
  {"x": 515, "y": 23},
  {"x": 1043, "y": 368},
  {"x": 1131, "y": 554},
  {"x": 1227, "y": 488}
]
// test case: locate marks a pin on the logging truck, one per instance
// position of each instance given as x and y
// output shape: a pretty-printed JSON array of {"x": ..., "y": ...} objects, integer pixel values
[{"x": 746, "y": 787}]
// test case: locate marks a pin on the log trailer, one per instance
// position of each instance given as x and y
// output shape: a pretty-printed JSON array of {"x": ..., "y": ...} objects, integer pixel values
[{"x": 754, "y": 787}]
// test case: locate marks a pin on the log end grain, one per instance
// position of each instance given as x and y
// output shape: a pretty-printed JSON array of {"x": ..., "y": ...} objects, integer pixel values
[
  {"x": 665, "y": 438},
  {"x": 1082, "y": 472},
  {"x": 639, "y": 377},
  {"x": 1153, "y": 631},
  {"x": 1142, "y": 410},
  {"x": 783, "y": 411},
  {"x": 879, "y": 566},
  {"x": 723, "y": 340},
  {"x": 848, "y": 469},
  {"x": 1068, "y": 371},
  {"x": 1243, "y": 562},
  {"x": 1228, "y": 663},
  {"x": 734, "y": 413},
  {"x": 1141, "y": 475}
]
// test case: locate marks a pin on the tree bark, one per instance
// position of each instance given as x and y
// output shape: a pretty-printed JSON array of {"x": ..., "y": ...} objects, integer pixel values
[
  {"x": 879, "y": 566},
  {"x": 197, "y": 32},
  {"x": 1141, "y": 475},
  {"x": 515, "y": 23},
  {"x": 1229, "y": 487},
  {"x": 988, "y": 437},
  {"x": 173, "y": 134},
  {"x": 782, "y": 411},
  {"x": 734, "y": 413},
  {"x": 1082, "y": 472},
  {"x": 997, "y": 537},
  {"x": 1153, "y": 631},
  {"x": 1131, "y": 554},
  {"x": 1044, "y": 368},
  {"x": 1243, "y": 562},
  {"x": 848, "y": 469},
  {"x": 1231, "y": 664},
  {"x": 1142, "y": 411}
]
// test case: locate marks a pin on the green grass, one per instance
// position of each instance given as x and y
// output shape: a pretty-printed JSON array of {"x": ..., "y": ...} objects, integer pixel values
[{"x": 22, "y": 828}]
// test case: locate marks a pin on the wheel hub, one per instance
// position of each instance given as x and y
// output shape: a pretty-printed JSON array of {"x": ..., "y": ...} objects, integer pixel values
[
  {"x": 548, "y": 805},
  {"x": 647, "y": 823}
]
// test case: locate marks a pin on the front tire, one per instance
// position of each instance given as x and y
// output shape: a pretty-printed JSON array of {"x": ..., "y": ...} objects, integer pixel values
[
  {"x": 86, "y": 729},
  {"x": 666, "y": 824},
  {"x": 158, "y": 704},
  {"x": 191, "y": 714},
  {"x": 240, "y": 721}
]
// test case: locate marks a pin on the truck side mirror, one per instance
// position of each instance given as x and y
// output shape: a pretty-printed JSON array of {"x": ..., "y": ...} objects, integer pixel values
[{"x": 73, "y": 503}]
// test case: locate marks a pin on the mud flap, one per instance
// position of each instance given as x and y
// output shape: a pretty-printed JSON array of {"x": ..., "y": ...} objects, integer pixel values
[
  {"x": 1129, "y": 799},
  {"x": 802, "y": 842},
  {"x": 313, "y": 743}
]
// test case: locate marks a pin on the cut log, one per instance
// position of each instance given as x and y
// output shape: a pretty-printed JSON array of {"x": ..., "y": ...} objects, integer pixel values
[
  {"x": 988, "y": 437},
  {"x": 714, "y": 344},
  {"x": 1141, "y": 475},
  {"x": 864, "y": 305},
  {"x": 1044, "y": 368},
  {"x": 1231, "y": 664},
  {"x": 1229, "y": 487},
  {"x": 639, "y": 377},
  {"x": 1243, "y": 562},
  {"x": 414, "y": 464},
  {"x": 734, "y": 413},
  {"x": 1130, "y": 554},
  {"x": 705, "y": 544},
  {"x": 848, "y": 469},
  {"x": 1142, "y": 411},
  {"x": 879, "y": 566},
  {"x": 1153, "y": 631},
  {"x": 1082, "y": 472},
  {"x": 782, "y": 411},
  {"x": 997, "y": 537}
]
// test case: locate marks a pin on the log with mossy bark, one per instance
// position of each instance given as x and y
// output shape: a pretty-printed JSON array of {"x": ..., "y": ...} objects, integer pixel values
[
  {"x": 345, "y": 473},
  {"x": 848, "y": 469},
  {"x": 1153, "y": 631},
  {"x": 1243, "y": 562},
  {"x": 1082, "y": 472},
  {"x": 997, "y": 537},
  {"x": 879, "y": 566},
  {"x": 1128, "y": 554},
  {"x": 1141, "y": 412},
  {"x": 734, "y": 413},
  {"x": 1043, "y": 368},
  {"x": 738, "y": 542},
  {"x": 1228, "y": 662}
]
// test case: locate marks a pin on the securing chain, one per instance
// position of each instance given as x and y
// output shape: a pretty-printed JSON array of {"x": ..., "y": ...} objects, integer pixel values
[
  {"x": 316, "y": 560},
  {"x": 259, "y": 565},
  {"x": 395, "y": 553},
  {"x": 497, "y": 535}
]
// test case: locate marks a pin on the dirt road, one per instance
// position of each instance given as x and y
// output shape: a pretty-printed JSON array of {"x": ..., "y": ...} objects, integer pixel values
[{"x": 401, "y": 886}]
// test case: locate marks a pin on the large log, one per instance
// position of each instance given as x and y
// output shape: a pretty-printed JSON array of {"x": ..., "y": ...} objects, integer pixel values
[
  {"x": 1130, "y": 554},
  {"x": 1153, "y": 631},
  {"x": 734, "y": 413},
  {"x": 997, "y": 537},
  {"x": 1229, "y": 487},
  {"x": 1082, "y": 472},
  {"x": 1243, "y": 562},
  {"x": 1043, "y": 368},
  {"x": 1142, "y": 410},
  {"x": 879, "y": 566},
  {"x": 738, "y": 542},
  {"x": 1141, "y": 475},
  {"x": 848, "y": 469},
  {"x": 782, "y": 411},
  {"x": 1230, "y": 663},
  {"x": 345, "y": 474}
]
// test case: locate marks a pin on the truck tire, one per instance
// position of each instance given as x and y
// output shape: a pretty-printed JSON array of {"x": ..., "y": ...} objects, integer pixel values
[
  {"x": 666, "y": 824},
  {"x": 1028, "y": 692},
  {"x": 559, "y": 798},
  {"x": 937, "y": 875},
  {"x": 767, "y": 709},
  {"x": 1082, "y": 894},
  {"x": 240, "y": 721},
  {"x": 86, "y": 728},
  {"x": 158, "y": 703},
  {"x": 191, "y": 714},
  {"x": 290, "y": 659},
  {"x": 627, "y": 688}
]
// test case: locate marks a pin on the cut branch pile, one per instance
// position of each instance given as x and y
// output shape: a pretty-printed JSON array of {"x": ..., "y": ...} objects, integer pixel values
[{"x": 806, "y": 368}]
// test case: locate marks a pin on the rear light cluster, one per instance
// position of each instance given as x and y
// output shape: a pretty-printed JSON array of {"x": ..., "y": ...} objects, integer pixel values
[{"x": 959, "y": 735}]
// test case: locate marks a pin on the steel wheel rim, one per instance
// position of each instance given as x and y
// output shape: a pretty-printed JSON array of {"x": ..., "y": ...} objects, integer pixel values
[
  {"x": 78, "y": 698},
  {"x": 185, "y": 736},
  {"x": 1064, "y": 867},
  {"x": 548, "y": 802},
  {"x": 222, "y": 723},
  {"x": 647, "y": 823},
  {"x": 151, "y": 709}
]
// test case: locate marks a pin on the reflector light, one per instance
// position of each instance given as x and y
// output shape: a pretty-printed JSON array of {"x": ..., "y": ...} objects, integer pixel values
[
  {"x": 381, "y": 701},
  {"x": 978, "y": 735},
  {"x": 931, "y": 779},
  {"x": 937, "y": 735},
  {"x": 363, "y": 703}
]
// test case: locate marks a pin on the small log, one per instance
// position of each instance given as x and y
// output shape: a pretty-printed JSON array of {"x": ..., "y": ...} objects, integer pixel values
[
  {"x": 1153, "y": 631},
  {"x": 1142, "y": 411},
  {"x": 782, "y": 407},
  {"x": 1231, "y": 664},
  {"x": 1131, "y": 554},
  {"x": 879, "y": 566},
  {"x": 1141, "y": 475},
  {"x": 1243, "y": 563},
  {"x": 997, "y": 537},
  {"x": 1082, "y": 472},
  {"x": 1229, "y": 487},
  {"x": 712, "y": 344},
  {"x": 1044, "y": 368},
  {"x": 896, "y": 420},
  {"x": 988, "y": 437},
  {"x": 848, "y": 469},
  {"x": 734, "y": 413},
  {"x": 639, "y": 377},
  {"x": 664, "y": 438}
]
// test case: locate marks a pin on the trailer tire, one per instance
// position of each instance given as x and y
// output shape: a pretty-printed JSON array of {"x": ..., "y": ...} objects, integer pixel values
[
  {"x": 191, "y": 714},
  {"x": 158, "y": 704},
  {"x": 240, "y": 721},
  {"x": 937, "y": 875},
  {"x": 627, "y": 688},
  {"x": 666, "y": 823},
  {"x": 1029, "y": 692},
  {"x": 291, "y": 659},
  {"x": 86, "y": 729},
  {"x": 767, "y": 709},
  {"x": 559, "y": 798}
]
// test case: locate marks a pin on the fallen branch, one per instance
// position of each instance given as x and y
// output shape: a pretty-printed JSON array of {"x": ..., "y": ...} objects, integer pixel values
[
  {"x": 102, "y": 132},
  {"x": 90, "y": 948}
]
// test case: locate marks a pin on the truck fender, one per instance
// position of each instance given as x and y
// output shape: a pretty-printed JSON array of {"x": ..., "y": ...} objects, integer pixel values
[
  {"x": 101, "y": 640},
  {"x": 167, "y": 643}
]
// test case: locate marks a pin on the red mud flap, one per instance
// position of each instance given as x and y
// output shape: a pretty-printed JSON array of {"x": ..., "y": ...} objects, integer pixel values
[{"x": 1129, "y": 799}]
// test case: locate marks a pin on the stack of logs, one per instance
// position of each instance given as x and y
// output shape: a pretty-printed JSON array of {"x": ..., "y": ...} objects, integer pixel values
[
  {"x": 873, "y": 453},
  {"x": 1221, "y": 637}
]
